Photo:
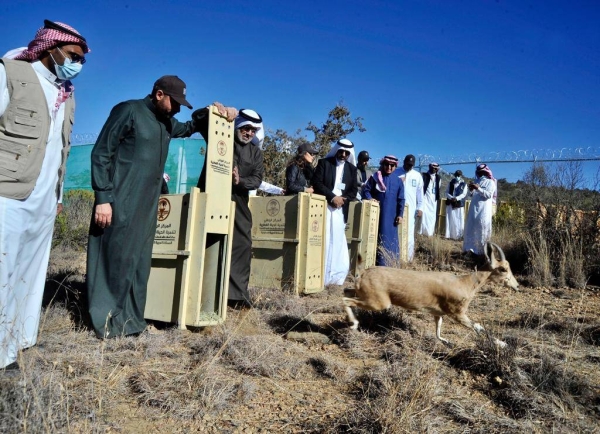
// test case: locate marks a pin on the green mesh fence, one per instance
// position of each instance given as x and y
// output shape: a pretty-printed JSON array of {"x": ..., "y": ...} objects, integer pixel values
[{"x": 184, "y": 162}]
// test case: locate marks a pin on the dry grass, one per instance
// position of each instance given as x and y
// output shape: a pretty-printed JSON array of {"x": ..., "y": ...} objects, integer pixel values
[
  {"x": 395, "y": 396},
  {"x": 391, "y": 376},
  {"x": 437, "y": 252}
]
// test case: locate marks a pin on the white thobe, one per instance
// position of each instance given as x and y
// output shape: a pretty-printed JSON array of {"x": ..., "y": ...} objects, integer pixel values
[
  {"x": 429, "y": 209},
  {"x": 413, "y": 195},
  {"x": 337, "y": 258},
  {"x": 26, "y": 234},
  {"x": 478, "y": 229},
  {"x": 455, "y": 217}
]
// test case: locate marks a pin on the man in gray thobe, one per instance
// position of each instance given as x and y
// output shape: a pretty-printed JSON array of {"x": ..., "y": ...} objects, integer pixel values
[{"x": 247, "y": 175}]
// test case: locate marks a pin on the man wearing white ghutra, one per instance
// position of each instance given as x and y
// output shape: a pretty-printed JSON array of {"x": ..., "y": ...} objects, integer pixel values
[{"x": 336, "y": 178}]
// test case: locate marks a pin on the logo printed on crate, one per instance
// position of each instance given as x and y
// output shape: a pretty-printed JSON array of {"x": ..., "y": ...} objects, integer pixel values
[
  {"x": 221, "y": 148},
  {"x": 273, "y": 207},
  {"x": 315, "y": 226},
  {"x": 164, "y": 209}
]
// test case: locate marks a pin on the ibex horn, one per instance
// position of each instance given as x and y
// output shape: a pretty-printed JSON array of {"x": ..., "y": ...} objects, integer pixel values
[
  {"x": 485, "y": 252},
  {"x": 502, "y": 257}
]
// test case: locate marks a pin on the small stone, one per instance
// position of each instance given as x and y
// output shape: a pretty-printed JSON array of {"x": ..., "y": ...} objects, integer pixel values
[{"x": 308, "y": 337}]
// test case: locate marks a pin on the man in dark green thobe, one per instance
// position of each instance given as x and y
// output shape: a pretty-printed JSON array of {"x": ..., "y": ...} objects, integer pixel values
[
  {"x": 128, "y": 162},
  {"x": 247, "y": 175}
]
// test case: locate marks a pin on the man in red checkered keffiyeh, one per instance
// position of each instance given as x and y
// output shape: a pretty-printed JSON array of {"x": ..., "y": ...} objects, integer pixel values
[
  {"x": 52, "y": 35},
  {"x": 60, "y": 48},
  {"x": 55, "y": 45},
  {"x": 35, "y": 125}
]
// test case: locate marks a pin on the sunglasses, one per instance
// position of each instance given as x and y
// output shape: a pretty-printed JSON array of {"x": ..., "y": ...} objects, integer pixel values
[
  {"x": 249, "y": 129},
  {"x": 75, "y": 58},
  {"x": 389, "y": 164},
  {"x": 342, "y": 151}
]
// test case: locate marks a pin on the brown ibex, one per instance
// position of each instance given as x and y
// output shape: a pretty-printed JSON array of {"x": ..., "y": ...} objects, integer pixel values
[{"x": 439, "y": 293}]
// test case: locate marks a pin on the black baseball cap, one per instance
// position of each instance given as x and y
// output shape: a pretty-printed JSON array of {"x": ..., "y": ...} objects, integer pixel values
[
  {"x": 409, "y": 159},
  {"x": 306, "y": 147},
  {"x": 363, "y": 156},
  {"x": 174, "y": 87}
]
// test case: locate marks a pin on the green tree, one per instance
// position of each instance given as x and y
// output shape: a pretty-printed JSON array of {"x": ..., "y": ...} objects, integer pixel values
[
  {"x": 279, "y": 148},
  {"x": 338, "y": 125}
]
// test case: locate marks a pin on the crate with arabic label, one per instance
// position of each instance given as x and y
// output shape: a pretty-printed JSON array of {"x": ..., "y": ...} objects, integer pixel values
[
  {"x": 361, "y": 232},
  {"x": 288, "y": 242},
  {"x": 191, "y": 256}
]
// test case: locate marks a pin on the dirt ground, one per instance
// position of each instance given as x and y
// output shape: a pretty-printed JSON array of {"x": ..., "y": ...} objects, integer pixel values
[{"x": 290, "y": 364}]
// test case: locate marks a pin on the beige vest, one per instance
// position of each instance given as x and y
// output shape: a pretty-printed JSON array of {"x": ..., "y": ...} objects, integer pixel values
[{"x": 24, "y": 129}]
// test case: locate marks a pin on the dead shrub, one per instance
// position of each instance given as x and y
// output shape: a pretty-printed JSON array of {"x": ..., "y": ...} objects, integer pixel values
[
  {"x": 523, "y": 385},
  {"x": 72, "y": 225},
  {"x": 505, "y": 385},
  {"x": 539, "y": 269},
  {"x": 264, "y": 356},
  {"x": 187, "y": 394},
  {"x": 273, "y": 299},
  {"x": 208, "y": 348},
  {"x": 534, "y": 320},
  {"x": 69, "y": 239},
  {"x": 45, "y": 395},
  {"x": 561, "y": 226},
  {"x": 392, "y": 398},
  {"x": 390, "y": 259},
  {"x": 479, "y": 420},
  {"x": 549, "y": 376},
  {"x": 435, "y": 251},
  {"x": 32, "y": 405}
]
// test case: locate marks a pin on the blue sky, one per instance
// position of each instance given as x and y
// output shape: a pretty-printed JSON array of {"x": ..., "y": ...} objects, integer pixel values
[{"x": 428, "y": 77}]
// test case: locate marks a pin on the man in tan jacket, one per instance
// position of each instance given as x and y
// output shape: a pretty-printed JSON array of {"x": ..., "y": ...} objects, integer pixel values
[{"x": 36, "y": 118}]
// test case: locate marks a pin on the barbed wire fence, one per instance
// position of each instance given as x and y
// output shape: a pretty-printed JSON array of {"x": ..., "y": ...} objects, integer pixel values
[
  {"x": 83, "y": 139},
  {"x": 542, "y": 155},
  {"x": 589, "y": 153}
]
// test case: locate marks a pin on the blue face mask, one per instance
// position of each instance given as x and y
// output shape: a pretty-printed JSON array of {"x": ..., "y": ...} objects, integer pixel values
[{"x": 68, "y": 70}]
